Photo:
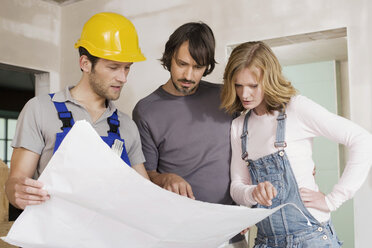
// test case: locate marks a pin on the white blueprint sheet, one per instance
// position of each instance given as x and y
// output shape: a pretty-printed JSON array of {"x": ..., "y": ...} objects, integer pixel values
[{"x": 97, "y": 201}]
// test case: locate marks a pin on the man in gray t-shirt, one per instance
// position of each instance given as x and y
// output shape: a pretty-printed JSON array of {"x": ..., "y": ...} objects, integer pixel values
[
  {"x": 108, "y": 46},
  {"x": 185, "y": 136},
  {"x": 188, "y": 136}
]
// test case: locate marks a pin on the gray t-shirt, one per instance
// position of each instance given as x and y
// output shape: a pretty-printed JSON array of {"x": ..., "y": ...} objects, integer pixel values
[
  {"x": 188, "y": 136},
  {"x": 38, "y": 124}
]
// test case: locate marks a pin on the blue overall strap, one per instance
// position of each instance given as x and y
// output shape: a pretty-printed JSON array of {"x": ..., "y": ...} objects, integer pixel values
[
  {"x": 114, "y": 134},
  {"x": 64, "y": 115},
  {"x": 244, "y": 136},
  {"x": 280, "y": 131},
  {"x": 114, "y": 123}
]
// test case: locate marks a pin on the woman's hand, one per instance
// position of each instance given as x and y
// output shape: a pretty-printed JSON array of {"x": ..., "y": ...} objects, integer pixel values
[
  {"x": 314, "y": 199},
  {"x": 264, "y": 193},
  {"x": 244, "y": 231}
]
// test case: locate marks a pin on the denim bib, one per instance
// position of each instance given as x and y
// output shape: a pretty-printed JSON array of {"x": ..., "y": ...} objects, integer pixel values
[{"x": 290, "y": 226}]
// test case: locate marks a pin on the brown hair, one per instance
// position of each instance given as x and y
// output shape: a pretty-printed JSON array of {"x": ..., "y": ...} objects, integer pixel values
[
  {"x": 201, "y": 45},
  {"x": 91, "y": 58},
  {"x": 277, "y": 90}
]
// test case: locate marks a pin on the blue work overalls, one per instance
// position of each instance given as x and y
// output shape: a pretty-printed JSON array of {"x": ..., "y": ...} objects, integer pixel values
[
  {"x": 288, "y": 227},
  {"x": 68, "y": 121}
]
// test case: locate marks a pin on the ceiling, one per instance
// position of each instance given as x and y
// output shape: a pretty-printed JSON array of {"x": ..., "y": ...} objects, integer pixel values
[{"x": 62, "y": 2}]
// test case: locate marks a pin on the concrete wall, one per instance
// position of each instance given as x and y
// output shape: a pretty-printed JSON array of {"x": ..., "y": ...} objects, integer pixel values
[
  {"x": 55, "y": 29},
  {"x": 30, "y": 36}
]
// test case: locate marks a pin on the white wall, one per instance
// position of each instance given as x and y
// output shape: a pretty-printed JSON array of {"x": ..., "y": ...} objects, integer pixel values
[{"x": 30, "y": 36}]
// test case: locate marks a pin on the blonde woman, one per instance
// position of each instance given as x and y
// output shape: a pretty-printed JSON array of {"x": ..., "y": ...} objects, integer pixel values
[{"x": 272, "y": 147}]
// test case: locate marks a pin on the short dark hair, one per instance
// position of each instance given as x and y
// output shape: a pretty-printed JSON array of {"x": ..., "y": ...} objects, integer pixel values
[
  {"x": 91, "y": 58},
  {"x": 201, "y": 45}
]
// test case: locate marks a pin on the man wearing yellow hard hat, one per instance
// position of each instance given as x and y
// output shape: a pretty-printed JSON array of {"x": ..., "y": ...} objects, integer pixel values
[{"x": 108, "y": 46}]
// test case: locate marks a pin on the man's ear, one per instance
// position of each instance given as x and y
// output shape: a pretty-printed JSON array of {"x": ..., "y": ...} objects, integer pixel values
[{"x": 85, "y": 64}]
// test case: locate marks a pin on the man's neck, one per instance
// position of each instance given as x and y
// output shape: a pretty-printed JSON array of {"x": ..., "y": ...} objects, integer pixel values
[{"x": 93, "y": 103}]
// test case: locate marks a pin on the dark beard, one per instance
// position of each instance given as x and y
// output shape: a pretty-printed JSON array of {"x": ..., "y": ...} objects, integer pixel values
[{"x": 184, "y": 90}]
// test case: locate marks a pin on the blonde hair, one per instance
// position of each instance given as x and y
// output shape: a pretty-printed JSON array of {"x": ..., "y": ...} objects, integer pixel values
[{"x": 277, "y": 90}]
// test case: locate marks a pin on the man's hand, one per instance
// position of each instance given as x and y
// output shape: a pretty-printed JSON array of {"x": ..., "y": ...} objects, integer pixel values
[
  {"x": 172, "y": 182},
  {"x": 23, "y": 191},
  {"x": 314, "y": 199},
  {"x": 264, "y": 193},
  {"x": 140, "y": 168},
  {"x": 20, "y": 189}
]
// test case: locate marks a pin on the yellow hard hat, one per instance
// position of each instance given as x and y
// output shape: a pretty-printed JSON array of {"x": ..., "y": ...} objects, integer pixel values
[{"x": 111, "y": 36}]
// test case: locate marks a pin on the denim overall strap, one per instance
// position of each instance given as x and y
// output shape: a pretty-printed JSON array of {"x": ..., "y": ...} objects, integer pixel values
[
  {"x": 244, "y": 136},
  {"x": 280, "y": 131}
]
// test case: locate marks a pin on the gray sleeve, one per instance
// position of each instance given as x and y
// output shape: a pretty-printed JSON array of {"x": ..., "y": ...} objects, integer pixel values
[
  {"x": 28, "y": 131},
  {"x": 135, "y": 153},
  {"x": 148, "y": 145}
]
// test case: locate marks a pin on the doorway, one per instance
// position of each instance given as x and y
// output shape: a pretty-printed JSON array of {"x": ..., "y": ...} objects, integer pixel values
[{"x": 17, "y": 86}]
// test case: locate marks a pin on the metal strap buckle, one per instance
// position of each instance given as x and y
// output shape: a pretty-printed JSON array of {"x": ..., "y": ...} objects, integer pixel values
[
  {"x": 65, "y": 117},
  {"x": 245, "y": 156},
  {"x": 244, "y": 135},
  {"x": 281, "y": 117},
  {"x": 280, "y": 144},
  {"x": 113, "y": 124}
]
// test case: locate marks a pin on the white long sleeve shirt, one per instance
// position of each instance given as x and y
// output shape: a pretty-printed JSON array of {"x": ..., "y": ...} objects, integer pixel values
[{"x": 305, "y": 120}]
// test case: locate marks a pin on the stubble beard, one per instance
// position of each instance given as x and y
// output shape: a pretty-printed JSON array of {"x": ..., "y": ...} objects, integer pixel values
[{"x": 99, "y": 89}]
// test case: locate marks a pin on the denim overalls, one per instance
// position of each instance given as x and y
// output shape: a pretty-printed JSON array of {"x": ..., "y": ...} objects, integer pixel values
[
  {"x": 68, "y": 121},
  {"x": 288, "y": 227}
]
